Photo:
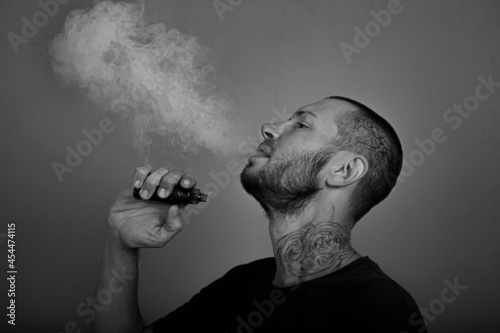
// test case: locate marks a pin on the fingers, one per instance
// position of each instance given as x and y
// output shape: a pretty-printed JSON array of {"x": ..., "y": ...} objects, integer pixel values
[
  {"x": 151, "y": 183},
  {"x": 140, "y": 175},
  {"x": 173, "y": 178},
  {"x": 188, "y": 181},
  {"x": 161, "y": 180}
]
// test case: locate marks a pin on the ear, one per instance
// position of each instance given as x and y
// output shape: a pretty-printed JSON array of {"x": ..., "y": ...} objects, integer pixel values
[{"x": 347, "y": 169}]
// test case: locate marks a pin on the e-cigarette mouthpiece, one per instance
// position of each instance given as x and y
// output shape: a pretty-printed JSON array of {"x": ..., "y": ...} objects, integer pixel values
[{"x": 179, "y": 196}]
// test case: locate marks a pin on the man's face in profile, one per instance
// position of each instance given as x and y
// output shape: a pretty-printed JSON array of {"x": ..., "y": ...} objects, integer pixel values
[{"x": 283, "y": 175}]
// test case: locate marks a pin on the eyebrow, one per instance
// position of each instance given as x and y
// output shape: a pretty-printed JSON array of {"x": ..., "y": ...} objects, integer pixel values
[{"x": 303, "y": 112}]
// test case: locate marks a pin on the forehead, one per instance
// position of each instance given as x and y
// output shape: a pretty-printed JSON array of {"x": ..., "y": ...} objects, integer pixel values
[{"x": 326, "y": 111}]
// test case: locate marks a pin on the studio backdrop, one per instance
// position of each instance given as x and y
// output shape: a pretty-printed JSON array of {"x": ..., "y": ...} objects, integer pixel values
[{"x": 83, "y": 104}]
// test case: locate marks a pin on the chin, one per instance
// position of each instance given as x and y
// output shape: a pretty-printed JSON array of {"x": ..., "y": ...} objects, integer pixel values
[{"x": 255, "y": 166}]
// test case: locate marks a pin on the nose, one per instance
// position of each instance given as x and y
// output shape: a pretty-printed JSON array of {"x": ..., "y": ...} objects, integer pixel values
[{"x": 270, "y": 131}]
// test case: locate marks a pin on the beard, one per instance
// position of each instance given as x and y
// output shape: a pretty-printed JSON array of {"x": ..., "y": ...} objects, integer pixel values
[{"x": 287, "y": 185}]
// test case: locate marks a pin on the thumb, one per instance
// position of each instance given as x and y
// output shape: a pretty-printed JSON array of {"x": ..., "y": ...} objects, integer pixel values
[{"x": 173, "y": 221}]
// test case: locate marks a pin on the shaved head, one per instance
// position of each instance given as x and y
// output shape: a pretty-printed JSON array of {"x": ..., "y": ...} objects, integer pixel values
[{"x": 362, "y": 131}]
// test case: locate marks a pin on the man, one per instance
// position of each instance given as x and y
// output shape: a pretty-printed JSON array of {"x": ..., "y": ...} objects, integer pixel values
[{"x": 315, "y": 175}]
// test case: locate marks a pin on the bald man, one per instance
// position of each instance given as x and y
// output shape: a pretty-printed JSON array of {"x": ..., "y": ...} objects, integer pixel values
[{"x": 315, "y": 175}]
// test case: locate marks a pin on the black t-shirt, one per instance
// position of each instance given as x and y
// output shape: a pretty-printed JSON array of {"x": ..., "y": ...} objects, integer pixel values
[{"x": 356, "y": 298}]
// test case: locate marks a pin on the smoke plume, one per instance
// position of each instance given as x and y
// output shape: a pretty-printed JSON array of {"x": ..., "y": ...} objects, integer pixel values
[{"x": 155, "y": 78}]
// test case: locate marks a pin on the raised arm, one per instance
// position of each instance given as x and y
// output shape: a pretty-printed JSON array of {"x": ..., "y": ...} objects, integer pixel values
[{"x": 134, "y": 224}]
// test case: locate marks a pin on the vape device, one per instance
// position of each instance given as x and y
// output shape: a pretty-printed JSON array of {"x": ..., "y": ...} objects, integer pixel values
[{"x": 179, "y": 196}]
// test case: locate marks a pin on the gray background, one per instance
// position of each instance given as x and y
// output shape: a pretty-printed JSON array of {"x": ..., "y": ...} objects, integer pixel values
[{"x": 440, "y": 223}]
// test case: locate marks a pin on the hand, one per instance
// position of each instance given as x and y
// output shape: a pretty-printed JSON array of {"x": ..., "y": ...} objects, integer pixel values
[{"x": 142, "y": 223}]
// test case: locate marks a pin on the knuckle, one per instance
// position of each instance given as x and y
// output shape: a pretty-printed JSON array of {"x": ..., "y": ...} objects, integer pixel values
[
  {"x": 162, "y": 171},
  {"x": 156, "y": 177},
  {"x": 141, "y": 172},
  {"x": 150, "y": 182},
  {"x": 174, "y": 225},
  {"x": 171, "y": 178},
  {"x": 143, "y": 168},
  {"x": 177, "y": 172},
  {"x": 165, "y": 182}
]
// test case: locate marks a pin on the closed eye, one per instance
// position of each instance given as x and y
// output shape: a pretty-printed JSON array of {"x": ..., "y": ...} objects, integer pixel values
[{"x": 300, "y": 124}]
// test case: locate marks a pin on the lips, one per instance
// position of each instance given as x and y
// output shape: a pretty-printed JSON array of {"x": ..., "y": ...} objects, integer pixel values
[{"x": 264, "y": 150}]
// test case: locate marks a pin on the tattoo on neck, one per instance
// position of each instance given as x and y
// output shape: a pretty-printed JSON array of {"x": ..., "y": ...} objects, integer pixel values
[
  {"x": 314, "y": 249},
  {"x": 370, "y": 137}
]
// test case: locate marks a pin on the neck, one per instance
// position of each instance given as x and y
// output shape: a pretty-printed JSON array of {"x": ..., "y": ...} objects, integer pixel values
[{"x": 310, "y": 246}]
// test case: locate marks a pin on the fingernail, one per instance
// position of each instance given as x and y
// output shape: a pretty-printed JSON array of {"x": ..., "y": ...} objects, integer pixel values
[
  {"x": 137, "y": 183},
  {"x": 162, "y": 193},
  {"x": 175, "y": 209},
  {"x": 185, "y": 181},
  {"x": 144, "y": 193}
]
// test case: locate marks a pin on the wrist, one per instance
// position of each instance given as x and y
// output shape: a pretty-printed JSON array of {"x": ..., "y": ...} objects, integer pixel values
[{"x": 114, "y": 241}]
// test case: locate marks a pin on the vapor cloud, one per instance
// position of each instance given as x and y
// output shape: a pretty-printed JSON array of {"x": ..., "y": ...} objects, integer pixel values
[{"x": 156, "y": 78}]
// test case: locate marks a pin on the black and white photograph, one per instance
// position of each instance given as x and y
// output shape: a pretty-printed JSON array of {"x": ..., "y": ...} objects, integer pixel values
[{"x": 250, "y": 166}]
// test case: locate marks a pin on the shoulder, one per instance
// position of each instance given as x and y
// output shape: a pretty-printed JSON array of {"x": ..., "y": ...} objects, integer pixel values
[
  {"x": 255, "y": 267},
  {"x": 390, "y": 305},
  {"x": 382, "y": 295},
  {"x": 259, "y": 263},
  {"x": 379, "y": 283},
  {"x": 214, "y": 302},
  {"x": 364, "y": 285},
  {"x": 253, "y": 270}
]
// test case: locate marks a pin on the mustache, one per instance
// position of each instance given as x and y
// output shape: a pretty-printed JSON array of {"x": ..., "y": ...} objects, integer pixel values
[{"x": 268, "y": 146}]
